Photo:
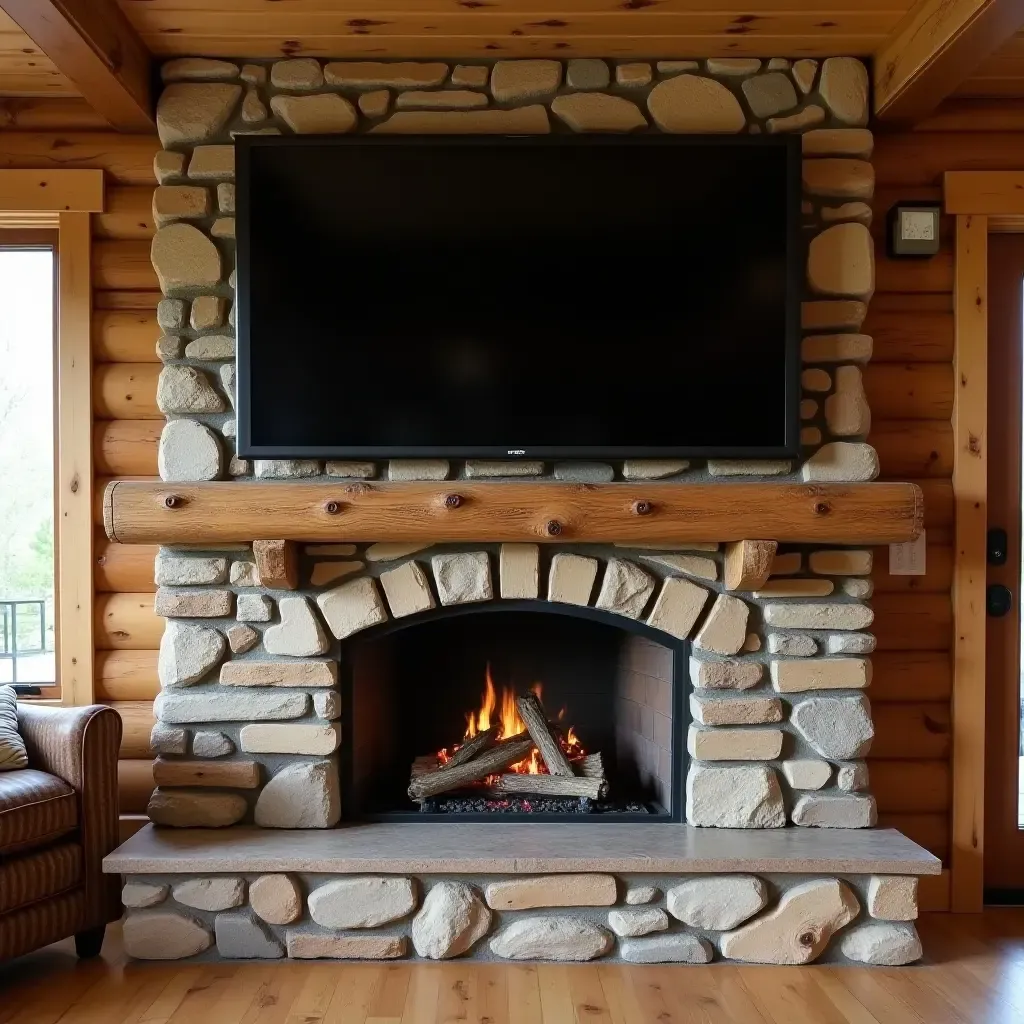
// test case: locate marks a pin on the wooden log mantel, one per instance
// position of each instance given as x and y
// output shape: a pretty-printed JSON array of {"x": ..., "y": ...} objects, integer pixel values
[{"x": 136, "y": 512}]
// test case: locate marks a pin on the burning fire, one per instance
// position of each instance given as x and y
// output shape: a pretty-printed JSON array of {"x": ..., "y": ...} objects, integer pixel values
[{"x": 506, "y": 718}]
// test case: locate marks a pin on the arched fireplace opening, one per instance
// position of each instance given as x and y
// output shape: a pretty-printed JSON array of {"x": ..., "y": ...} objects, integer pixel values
[{"x": 416, "y": 690}]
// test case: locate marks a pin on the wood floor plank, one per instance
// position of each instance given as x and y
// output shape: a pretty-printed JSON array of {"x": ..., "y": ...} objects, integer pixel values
[
  {"x": 492, "y": 993},
  {"x": 351, "y": 1002},
  {"x": 422, "y": 997},
  {"x": 555, "y": 995},
  {"x": 523, "y": 994},
  {"x": 388, "y": 999}
]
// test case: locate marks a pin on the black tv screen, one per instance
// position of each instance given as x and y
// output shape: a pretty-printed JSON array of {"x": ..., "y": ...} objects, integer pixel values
[{"x": 563, "y": 296}]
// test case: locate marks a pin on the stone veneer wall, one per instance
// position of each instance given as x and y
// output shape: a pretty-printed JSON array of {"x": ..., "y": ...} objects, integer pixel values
[{"x": 248, "y": 713}]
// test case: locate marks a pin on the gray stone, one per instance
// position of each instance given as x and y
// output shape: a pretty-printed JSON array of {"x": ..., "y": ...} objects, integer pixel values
[
  {"x": 254, "y": 74},
  {"x": 212, "y": 744},
  {"x": 677, "y": 948},
  {"x": 514, "y": 81},
  {"x": 792, "y": 645},
  {"x": 140, "y": 895},
  {"x": 168, "y": 166},
  {"x": 597, "y": 112},
  {"x": 844, "y": 87},
  {"x": 688, "y": 565},
  {"x": 221, "y": 893},
  {"x": 364, "y": 902},
  {"x": 352, "y": 607},
  {"x": 305, "y": 795},
  {"x": 725, "y": 629},
  {"x": 187, "y": 653},
  {"x": 188, "y": 113},
  {"x": 327, "y": 705},
  {"x": 493, "y": 468},
  {"x": 184, "y": 259},
  {"x": 418, "y": 469},
  {"x": 163, "y": 935},
  {"x": 691, "y": 104},
  {"x": 254, "y": 608},
  {"x": 301, "y": 74},
  {"x": 323, "y": 114},
  {"x": 770, "y": 94},
  {"x": 587, "y": 73},
  {"x": 551, "y": 938},
  {"x": 184, "y": 389},
  {"x": 171, "y": 313},
  {"x": 626, "y": 589},
  {"x": 227, "y": 380},
  {"x": 451, "y": 921},
  {"x": 462, "y": 577},
  {"x": 173, "y": 570},
  {"x": 244, "y": 574},
  {"x": 748, "y": 467},
  {"x": 858, "y": 588},
  {"x": 226, "y": 204},
  {"x": 835, "y": 810},
  {"x": 166, "y": 740},
  {"x": 299, "y": 633},
  {"x": 633, "y": 923},
  {"x": 838, "y": 728},
  {"x": 211, "y": 348},
  {"x": 178, "y": 709},
  {"x": 351, "y": 470},
  {"x": 276, "y": 899},
  {"x": 176, "y": 602},
  {"x": 729, "y": 674},
  {"x": 882, "y": 944},
  {"x": 242, "y": 937},
  {"x": 186, "y": 808},
  {"x": 285, "y": 469},
  {"x": 584, "y": 472},
  {"x": 852, "y": 777},
  {"x": 819, "y": 615},
  {"x": 640, "y": 894},
  {"x": 741, "y": 796},
  {"x": 652, "y": 469}
]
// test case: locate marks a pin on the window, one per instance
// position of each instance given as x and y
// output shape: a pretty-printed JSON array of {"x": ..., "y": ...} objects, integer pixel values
[{"x": 27, "y": 467}]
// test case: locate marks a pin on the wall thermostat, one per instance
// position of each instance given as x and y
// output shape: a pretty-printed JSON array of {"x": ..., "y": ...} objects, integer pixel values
[{"x": 913, "y": 229}]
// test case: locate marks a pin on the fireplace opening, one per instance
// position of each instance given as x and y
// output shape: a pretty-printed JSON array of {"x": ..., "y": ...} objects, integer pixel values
[{"x": 520, "y": 710}]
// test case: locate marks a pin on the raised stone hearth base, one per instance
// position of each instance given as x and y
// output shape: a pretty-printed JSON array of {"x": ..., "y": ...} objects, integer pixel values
[{"x": 523, "y": 892}]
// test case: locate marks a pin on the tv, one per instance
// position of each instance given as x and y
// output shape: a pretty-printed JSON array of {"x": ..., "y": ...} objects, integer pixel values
[{"x": 548, "y": 297}]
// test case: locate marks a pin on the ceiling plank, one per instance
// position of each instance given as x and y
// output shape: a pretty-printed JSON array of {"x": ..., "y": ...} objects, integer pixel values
[
  {"x": 93, "y": 44},
  {"x": 934, "y": 49}
]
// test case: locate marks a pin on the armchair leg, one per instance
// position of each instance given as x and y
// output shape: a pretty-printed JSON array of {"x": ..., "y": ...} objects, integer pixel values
[{"x": 88, "y": 944}]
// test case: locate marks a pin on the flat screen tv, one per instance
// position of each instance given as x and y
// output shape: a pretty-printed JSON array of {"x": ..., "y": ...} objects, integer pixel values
[{"x": 502, "y": 297}]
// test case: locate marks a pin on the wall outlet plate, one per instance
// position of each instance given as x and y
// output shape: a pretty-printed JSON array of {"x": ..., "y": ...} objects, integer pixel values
[{"x": 908, "y": 558}]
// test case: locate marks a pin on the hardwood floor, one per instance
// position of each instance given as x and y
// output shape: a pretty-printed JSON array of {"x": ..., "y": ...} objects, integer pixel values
[{"x": 973, "y": 974}]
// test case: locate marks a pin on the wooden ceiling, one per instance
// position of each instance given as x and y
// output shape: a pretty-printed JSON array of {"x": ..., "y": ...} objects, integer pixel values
[
  {"x": 24, "y": 69},
  {"x": 1001, "y": 75}
]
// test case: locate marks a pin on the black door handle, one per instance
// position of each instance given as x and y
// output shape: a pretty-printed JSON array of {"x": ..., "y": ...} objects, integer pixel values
[{"x": 998, "y": 600}]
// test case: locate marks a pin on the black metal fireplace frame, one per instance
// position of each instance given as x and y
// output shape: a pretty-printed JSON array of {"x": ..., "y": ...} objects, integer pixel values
[{"x": 680, "y": 714}]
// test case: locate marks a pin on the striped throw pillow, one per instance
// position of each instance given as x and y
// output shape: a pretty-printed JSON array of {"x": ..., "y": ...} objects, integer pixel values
[{"x": 12, "y": 747}]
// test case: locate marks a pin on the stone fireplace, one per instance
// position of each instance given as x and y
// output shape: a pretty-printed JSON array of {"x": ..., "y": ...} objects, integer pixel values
[{"x": 298, "y": 705}]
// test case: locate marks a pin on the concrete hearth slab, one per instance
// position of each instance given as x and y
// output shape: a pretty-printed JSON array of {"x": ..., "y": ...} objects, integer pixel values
[{"x": 520, "y": 849}]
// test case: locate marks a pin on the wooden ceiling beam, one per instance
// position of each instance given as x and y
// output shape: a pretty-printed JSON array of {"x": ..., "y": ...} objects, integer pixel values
[
  {"x": 92, "y": 43},
  {"x": 935, "y": 48}
]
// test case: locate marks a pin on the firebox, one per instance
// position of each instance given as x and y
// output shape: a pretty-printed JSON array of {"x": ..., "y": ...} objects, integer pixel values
[{"x": 522, "y": 710}]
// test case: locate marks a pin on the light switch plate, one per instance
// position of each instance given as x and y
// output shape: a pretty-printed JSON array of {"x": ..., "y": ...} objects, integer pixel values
[{"x": 908, "y": 558}]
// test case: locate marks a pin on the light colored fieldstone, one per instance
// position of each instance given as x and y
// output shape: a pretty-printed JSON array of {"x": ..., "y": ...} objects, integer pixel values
[
  {"x": 391, "y": 552},
  {"x": 164, "y": 935},
  {"x": 847, "y": 412},
  {"x": 352, "y": 470},
  {"x": 571, "y": 578},
  {"x": 551, "y": 938},
  {"x": 451, "y": 921},
  {"x": 733, "y": 744},
  {"x": 385, "y": 74},
  {"x": 407, "y": 590},
  {"x": 374, "y": 104},
  {"x": 584, "y": 472},
  {"x": 305, "y": 795},
  {"x": 519, "y": 571},
  {"x": 167, "y": 740},
  {"x": 300, "y": 74},
  {"x": 835, "y": 810},
  {"x": 187, "y": 653},
  {"x": 769, "y": 94},
  {"x": 828, "y": 615},
  {"x": 804, "y": 119},
  {"x": 462, "y": 577},
  {"x": 254, "y": 608},
  {"x": 552, "y": 891},
  {"x": 212, "y": 744},
  {"x": 187, "y": 808},
  {"x": 749, "y": 467},
  {"x": 352, "y": 607},
  {"x": 443, "y": 99},
  {"x": 313, "y": 946},
  {"x": 327, "y": 704},
  {"x": 735, "y": 710},
  {"x": 418, "y": 469},
  {"x": 279, "y": 673},
  {"x": 634, "y": 75},
  {"x": 472, "y": 76},
  {"x": 738, "y": 796},
  {"x": 253, "y": 110},
  {"x": 140, "y": 895},
  {"x": 597, "y": 112},
  {"x": 807, "y": 773},
  {"x": 847, "y": 211},
  {"x": 242, "y": 937},
  {"x": 882, "y": 944},
  {"x": 179, "y": 202},
  {"x": 285, "y": 469},
  {"x": 173, "y": 570},
  {"x": 844, "y": 87},
  {"x": 798, "y": 929},
  {"x": 184, "y": 68},
  {"x": 839, "y": 176},
  {"x": 636, "y": 895},
  {"x": 626, "y": 589},
  {"x": 207, "y": 311},
  {"x": 299, "y": 633},
  {"x": 841, "y": 562},
  {"x": 836, "y": 348},
  {"x": 861, "y": 589},
  {"x": 893, "y": 897},
  {"x": 837, "y": 727},
  {"x": 198, "y": 706},
  {"x": 677, "y": 607},
  {"x": 792, "y": 645},
  {"x": 221, "y": 893},
  {"x": 852, "y": 142},
  {"x": 244, "y": 574},
  {"x": 184, "y": 258},
  {"x": 212, "y": 163},
  {"x": 227, "y": 379},
  {"x": 820, "y": 674},
  {"x": 803, "y": 73},
  {"x": 188, "y": 113},
  {"x": 634, "y": 923},
  {"x": 321, "y": 738},
  {"x": 841, "y": 261},
  {"x": 531, "y": 120},
  {"x": 184, "y": 389},
  {"x": 513, "y": 81},
  {"x": 688, "y": 565},
  {"x": 363, "y": 902},
  {"x": 254, "y": 74},
  {"x": 322, "y": 114},
  {"x": 586, "y": 73},
  {"x": 676, "y": 948},
  {"x": 489, "y": 468},
  {"x": 725, "y": 629},
  {"x": 717, "y": 903},
  {"x": 846, "y": 461},
  {"x": 853, "y": 776},
  {"x": 211, "y": 348},
  {"x": 171, "y": 314},
  {"x": 652, "y": 469},
  {"x": 730, "y": 674},
  {"x": 172, "y": 602},
  {"x": 691, "y": 104},
  {"x": 733, "y": 66},
  {"x": 168, "y": 166},
  {"x": 276, "y": 899}
]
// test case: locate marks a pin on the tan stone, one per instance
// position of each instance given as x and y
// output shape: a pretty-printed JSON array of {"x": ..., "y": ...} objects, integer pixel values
[
  {"x": 807, "y": 772},
  {"x": 352, "y": 607},
  {"x": 844, "y": 87},
  {"x": 841, "y": 261},
  {"x": 815, "y": 380},
  {"x": 140, "y": 895},
  {"x": 832, "y": 315},
  {"x": 552, "y": 891},
  {"x": 471, "y": 76},
  {"x": 688, "y": 565},
  {"x": 882, "y": 944},
  {"x": 325, "y": 573},
  {"x": 808, "y": 408},
  {"x": 729, "y": 674},
  {"x": 223, "y": 227},
  {"x": 796, "y": 587},
  {"x": 810, "y": 115},
  {"x": 385, "y": 75},
  {"x": 836, "y": 348},
  {"x": 184, "y": 258},
  {"x": 839, "y": 176},
  {"x": 323, "y": 113},
  {"x": 185, "y": 808},
  {"x": 407, "y": 590},
  {"x": 375, "y": 103},
  {"x": 392, "y": 552},
  {"x": 853, "y": 777},
  {"x": 749, "y": 467},
  {"x": 185, "y": 68},
  {"x": 810, "y": 437},
  {"x": 677, "y": 607},
  {"x": 300, "y": 74},
  {"x": 207, "y": 311},
  {"x": 531, "y": 120},
  {"x": 735, "y": 710},
  {"x": 491, "y": 468},
  {"x": 167, "y": 166},
  {"x": 717, "y": 903},
  {"x": 752, "y": 643},
  {"x": 362, "y": 901},
  {"x": 211, "y": 163},
  {"x": 625, "y": 589},
  {"x": 841, "y": 461},
  {"x": 221, "y": 893},
  {"x": 327, "y": 704},
  {"x": 597, "y": 112},
  {"x": 786, "y": 563},
  {"x": 820, "y": 674},
  {"x": 841, "y": 562},
  {"x": 304, "y": 794},
  {"x": 633, "y": 923},
  {"x": 179, "y": 202},
  {"x": 858, "y": 211},
  {"x": 691, "y": 104},
  {"x": 893, "y": 897},
  {"x": 846, "y": 411},
  {"x": 299, "y": 633},
  {"x": 462, "y": 577},
  {"x": 514, "y": 81},
  {"x": 163, "y": 935},
  {"x": 254, "y": 74},
  {"x": 305, "y": 674},
  {"x": 192, "y": 112},
  {"x": 734, "y": 796},
  {"x": 733, "y": 66},
  {"x": 211, "y": 347},
  {"x": 321, "y": 946},
  {"x": 253, "y": 110},
  {"x": 321, "y": 739},
  {"x": 418, "y": 469},
  {"x": 443, "y": 99},
  {"x": 451, "y": 921},
  {"x": 551, "y": 938},
  {"x": 193, "y": 604},
  {"x": 652, "y": 469},
  {"x": 827, "y": 615},
  {"x": 571, "y": 579},
  {"x": 835, "y": 810},
  {"x": 734, "y": 744},
  {"x": 725, "y": 629},
  {"x": 519, "y": 570},
  {"x": 634, "y": 75},
  {"x": 803, "y": 74},
  {"x": 276, "y": 899},
  {"x": 856, "y": 142}
]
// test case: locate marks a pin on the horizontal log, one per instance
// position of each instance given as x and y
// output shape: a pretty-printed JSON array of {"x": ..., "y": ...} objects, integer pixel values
[
  {"x": 126, "y": 675},
  {"x": 136, "y": 725},
  {"x": 126, "y": 447},
  {"x": 553, "y": 785},
  {"x": 913, "y": 448},
  {"x": 925, "y": 676},
  {"x": 915, "y": 787},
  {"x": 124, "y": 336},
  {"x": 129, "y": 214},
  {"x": 126, "y": 299},
  {"x": 921, "y": 158},
  {"x": 123, "y": 568},
  {"x": 224, "y": 774},
  {"x": 127, "y": 159},
  {"x": 35, "y": 114},
  {"x": 913, "y": 622},
  {"x": 123, "y": 266},
  {"x": 100, "y": 484},
  {"x": 127, "y": 622},
  {"x": 126, "y": 391},
  {"x": 134, "y": 785},
  {"x": 928, "y": 830},
  {"x": 909, "y": 391},
  {"x": 913, "y": 731},
  {"x": 938, "y": 577},
  {"x": 974, "y": 115},
  {"x": 934, "y": 274},
  {"x": 466, "y": 512},
  {"x": 903, "y": 302}
]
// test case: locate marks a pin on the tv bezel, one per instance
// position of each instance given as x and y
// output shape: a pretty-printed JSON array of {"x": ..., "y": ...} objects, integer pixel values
[{"x": 795, "y": 274}]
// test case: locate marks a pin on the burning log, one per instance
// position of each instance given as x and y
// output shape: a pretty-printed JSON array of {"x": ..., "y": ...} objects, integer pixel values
[
  {"x": 591, "y": 766},
  {"x": 479, "y": 743},
  {"x": 553, "y": 785},
  {"x": 536, "y": 722},
  {"x": 501, "y": 756}
]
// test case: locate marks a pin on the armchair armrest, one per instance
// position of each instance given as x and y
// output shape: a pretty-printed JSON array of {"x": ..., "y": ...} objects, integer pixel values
[{"x": 80, "y": 746}]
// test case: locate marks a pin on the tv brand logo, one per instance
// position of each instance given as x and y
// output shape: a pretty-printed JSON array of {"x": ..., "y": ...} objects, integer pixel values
[{"x": 516, "y": 451}]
